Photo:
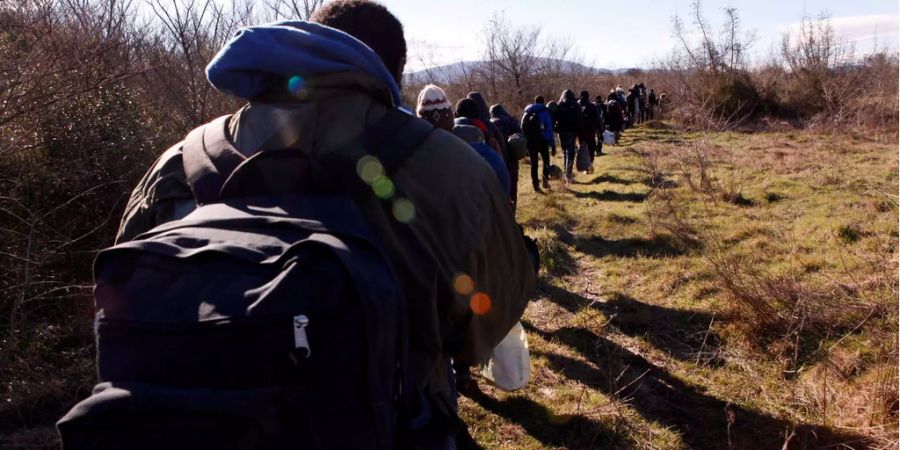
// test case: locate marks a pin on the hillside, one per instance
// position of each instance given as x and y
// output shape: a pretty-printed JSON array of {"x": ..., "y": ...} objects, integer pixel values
[
  {"x": 640, "y": 336},
  {"x": 455, "y": 72}
]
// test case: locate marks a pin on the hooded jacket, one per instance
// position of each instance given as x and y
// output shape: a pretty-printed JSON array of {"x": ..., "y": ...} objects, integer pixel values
[
  {"x": 315, "y": 89},
  {"x": 589, "y": 114},
  {"x": 485, "y": 116},
  {"x": 505, "y": 122},
  {"x": 568, "y": 117},
  {"x": 546, "y": 121}
]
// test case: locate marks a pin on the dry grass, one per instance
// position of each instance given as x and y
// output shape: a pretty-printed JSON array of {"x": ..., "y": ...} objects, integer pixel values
[{"x": 686, "y": 319}]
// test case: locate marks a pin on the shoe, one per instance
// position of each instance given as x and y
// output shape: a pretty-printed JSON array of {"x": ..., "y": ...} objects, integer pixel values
[
  {"x": 546, "y": 184},
  {"x": 537, "y": 188},
  {"x": 591, "y": 170}
]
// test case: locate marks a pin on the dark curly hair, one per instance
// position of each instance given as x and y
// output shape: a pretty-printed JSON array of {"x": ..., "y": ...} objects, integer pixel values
[{"x": 371, "y": 23}]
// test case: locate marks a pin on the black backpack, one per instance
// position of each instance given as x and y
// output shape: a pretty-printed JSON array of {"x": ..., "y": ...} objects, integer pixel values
[
  {"x": 589, "y": 115},
  {"x": 568, "y": 117},
  {"x": 532, "y": 126},
  {"x": 267, "y": 318}
]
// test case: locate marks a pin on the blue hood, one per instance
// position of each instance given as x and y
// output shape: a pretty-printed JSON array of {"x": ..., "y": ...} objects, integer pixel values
[
  {"x": 535, "y": 108},
  {"x": 256, "y": 55}
]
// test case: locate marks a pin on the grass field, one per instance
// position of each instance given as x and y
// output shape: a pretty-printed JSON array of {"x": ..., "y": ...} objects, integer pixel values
[{"x": 710, "y": 290}]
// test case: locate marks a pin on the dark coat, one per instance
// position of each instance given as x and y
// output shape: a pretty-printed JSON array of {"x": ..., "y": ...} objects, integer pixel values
[
  {"x": 568, "y": 118},
  {"x": 507, "y": 124}
]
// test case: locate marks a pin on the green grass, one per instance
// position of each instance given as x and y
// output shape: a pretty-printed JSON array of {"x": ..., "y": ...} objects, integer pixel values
[{"x": 636, "y": 340}]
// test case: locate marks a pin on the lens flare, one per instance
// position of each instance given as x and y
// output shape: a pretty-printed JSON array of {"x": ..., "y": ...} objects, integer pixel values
[
  {"x": 463, "y": 284},
  {"x": 383, "y": 187},
  {"x": 404, "y": 211},
  {"x": 297, "y": 87},
  {"x": 480, "y": 303},
  {"x": 369, "y": 169}
]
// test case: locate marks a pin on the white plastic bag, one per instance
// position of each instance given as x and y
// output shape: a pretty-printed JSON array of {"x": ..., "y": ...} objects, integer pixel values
[
  {"x": 609, "y": 137},
  {"x": 510, "y": 365}
]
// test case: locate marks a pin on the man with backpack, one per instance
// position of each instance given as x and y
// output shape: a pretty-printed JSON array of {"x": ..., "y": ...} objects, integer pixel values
[
  {"x": 642, "y": 96},
  {"x": 569, "y": 124},
  {"x": 601, "y": 121},
  {"x": 591, "y": 120},
  {"x": 537, "y": 126},
  {"x": 614, "y": 115},
  {"x": 652, "y": 104},
  {"x": 340, "y": 253}
]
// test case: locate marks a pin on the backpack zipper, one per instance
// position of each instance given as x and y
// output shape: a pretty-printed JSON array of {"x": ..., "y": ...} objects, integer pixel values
[{"x": 301, "y": 342}]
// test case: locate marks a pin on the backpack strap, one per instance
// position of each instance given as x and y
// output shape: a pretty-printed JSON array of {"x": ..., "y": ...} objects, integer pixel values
[
  {"x": 394, "y": 137},
  {"x": 209, "y": 162},
  {"x": 215, "y": 169}
]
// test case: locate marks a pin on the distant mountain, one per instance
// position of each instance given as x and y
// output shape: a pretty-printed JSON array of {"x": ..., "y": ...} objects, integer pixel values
[{"x": 450, "y": 73}]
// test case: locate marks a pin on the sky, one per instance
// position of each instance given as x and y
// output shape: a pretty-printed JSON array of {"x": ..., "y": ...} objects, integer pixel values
[{"x": 623, "y": 34}]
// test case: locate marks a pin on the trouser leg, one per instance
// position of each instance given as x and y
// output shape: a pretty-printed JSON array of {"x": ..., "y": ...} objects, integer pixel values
[
  {"x": 545, "y": 155},
  {"x": 512, "y": 165},
  {"x": 567, "y": 140},
  {"x": 534, "y": 149}
]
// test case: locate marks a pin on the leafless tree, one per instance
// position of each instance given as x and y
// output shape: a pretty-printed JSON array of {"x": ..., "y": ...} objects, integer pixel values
[
  {"x": 191, "y": 32},
  {"x": 291, "y": 9}
]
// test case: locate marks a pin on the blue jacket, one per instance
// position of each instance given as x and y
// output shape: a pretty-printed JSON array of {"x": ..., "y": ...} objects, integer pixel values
[
  {"x": 546, "y": 122},
  {"x": 246, "y": 66},
  {"x": 495, "y": 161}
]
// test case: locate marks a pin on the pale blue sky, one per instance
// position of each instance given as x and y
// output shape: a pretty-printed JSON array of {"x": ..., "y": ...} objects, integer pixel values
[{"x": 616, "y": 34}]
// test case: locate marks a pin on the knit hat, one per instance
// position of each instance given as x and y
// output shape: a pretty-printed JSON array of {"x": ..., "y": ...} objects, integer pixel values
[{"x": 432, "y": 98}]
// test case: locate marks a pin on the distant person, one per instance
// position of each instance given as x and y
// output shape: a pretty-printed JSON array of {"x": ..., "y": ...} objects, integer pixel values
[
  {"x": 467, "y": 114},
  {"x": 430, "y": 209},
  {"x": 433, "y": 106},
  {"x": 600, "y": 104},
  {"x": 642, "y": 97},
  {"x": 507, "y": 124},
  {"x": 614, "y": 115},
  {"x": 552, "y": 107},
  {"x": 621, "y": 98},
  {"x": 475, "y": 138},
  {"x": 512, "y": 164},
  {"x": 590, "y": 124},
  {"x": 537, "y": 126},
  {"x": 634, "y": 105},
  {"x": 569, "y": 124},
  {"x": 652, "y": 103}
]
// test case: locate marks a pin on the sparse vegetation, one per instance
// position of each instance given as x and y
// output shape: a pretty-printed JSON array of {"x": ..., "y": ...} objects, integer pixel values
[
  {"x": 770, "y": 330},
  {"x": 703, "y": 289}
]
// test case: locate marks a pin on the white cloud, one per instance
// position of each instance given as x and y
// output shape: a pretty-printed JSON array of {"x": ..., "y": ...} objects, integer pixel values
[{"x": 863, "y": 30}]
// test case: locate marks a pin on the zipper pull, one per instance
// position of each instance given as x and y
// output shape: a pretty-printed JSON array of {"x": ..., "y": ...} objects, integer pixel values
[{"x": 301, "y": 342}]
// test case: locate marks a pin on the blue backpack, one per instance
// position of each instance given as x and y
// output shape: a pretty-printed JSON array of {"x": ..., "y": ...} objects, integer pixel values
[{"x": 267, "y": 318}]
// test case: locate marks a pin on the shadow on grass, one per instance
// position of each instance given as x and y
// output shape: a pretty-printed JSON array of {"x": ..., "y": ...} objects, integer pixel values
[
  {"x": 704, "y": 421},
  {"x": 683, "y": 334},
  {"x": 611, "y": 196},
  {"x": 552, "y": 430},
  {"x": 612, "y": 179},
  {"x": 657, "y": 246}
]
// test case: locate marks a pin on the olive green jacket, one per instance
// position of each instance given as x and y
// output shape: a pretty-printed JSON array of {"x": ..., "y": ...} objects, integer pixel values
[{"x": 463, "y": 225}]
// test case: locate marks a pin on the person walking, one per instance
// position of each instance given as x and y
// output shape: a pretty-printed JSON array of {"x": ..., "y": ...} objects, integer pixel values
[
  {"x": 569, "y": 124},
  {"x": 590, "y": 124},
  {"x": 614, "y": 115},
  {"x": 327, "y": 92},
  {"x": 652, "y": 104},
  {"x": 642, "y": 102},
  {"x": 512, "y": 164},
  {"x": 601, "y": 121},
  {"x": 537, "y": 125}
]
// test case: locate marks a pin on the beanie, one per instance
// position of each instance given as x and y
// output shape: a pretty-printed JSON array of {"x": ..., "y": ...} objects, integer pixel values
[{"x": 432, "y": 98}]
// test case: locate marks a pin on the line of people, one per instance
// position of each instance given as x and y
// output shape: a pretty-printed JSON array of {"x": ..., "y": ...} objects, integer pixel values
[{"x": 579, "y": 125}]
